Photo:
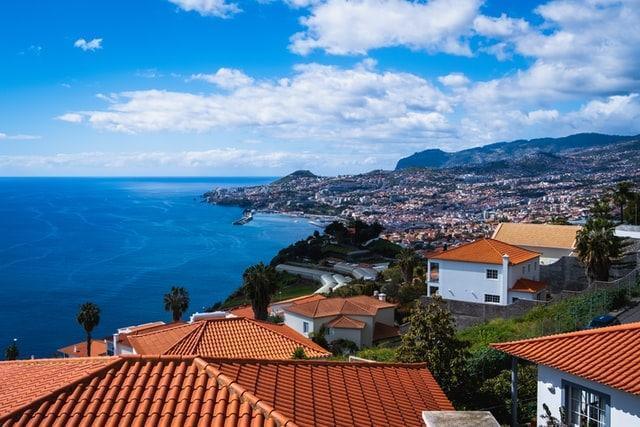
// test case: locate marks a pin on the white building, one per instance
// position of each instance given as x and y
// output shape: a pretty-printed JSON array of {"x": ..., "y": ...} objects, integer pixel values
[
  {"x": 361, "y": 319},
  {"x": 551, "y": 241},
  {"x": 486, "y": 271},
  {"x": 591, "y": 376}
]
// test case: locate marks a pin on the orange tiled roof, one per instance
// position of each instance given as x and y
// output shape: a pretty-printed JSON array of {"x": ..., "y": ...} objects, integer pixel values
[
  {"x": 539, "y": 235},
  {"x": 344, "y": 322},
  {"x": 189, "y": 391},
  {"x": 527, "y": 285},
  {"x": 606, "y": 355},
  {"x": 247, "y": 311},
  {"x": 360, "y": 305},
  {"x": 487, "y": 251},
  {"x": 98, "y": 348},
  {"x": 234, "y": 337}
]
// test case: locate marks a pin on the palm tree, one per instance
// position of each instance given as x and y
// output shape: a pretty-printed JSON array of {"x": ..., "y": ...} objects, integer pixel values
[
  {"x": 621, "y": 195},
  {"x": 598, "y": 248},
  {"x": 407, "y": 261},
  {"x": 601, "y": 209},
  {"x": 89, "y": 317},
  {"x": 260, "y": 283},
  {"x": 177, "y": 302},
  {"x": 12, "y": 352}
]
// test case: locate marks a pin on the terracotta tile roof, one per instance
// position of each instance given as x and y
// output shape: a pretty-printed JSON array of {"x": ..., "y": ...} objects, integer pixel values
[
  {"x": 189, "y": 391},
  {"x": 361, "y": 305},
  {"x": 487, "y": 251},
  {"x": 526, "y": 285},
  {"x": 382, "y": 331},
  {"x": 144, "y": 329},
  {"x": 234, "y": 337},
  {"x": 98, "y": 348},
  {"x": 344, "y": 322},
  {"x": 247, "y": 311},
  {"x": 538, "y": 235},
  {"x": 608, "y": 355},
  {"x": 24, "y": 381}
]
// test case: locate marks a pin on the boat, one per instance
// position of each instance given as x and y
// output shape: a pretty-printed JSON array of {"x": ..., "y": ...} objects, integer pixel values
[{"x": 247, "y": 216}]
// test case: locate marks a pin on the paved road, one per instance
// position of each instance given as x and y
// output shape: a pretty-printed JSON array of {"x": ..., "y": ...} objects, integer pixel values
[{"x": 631, "y": 315}]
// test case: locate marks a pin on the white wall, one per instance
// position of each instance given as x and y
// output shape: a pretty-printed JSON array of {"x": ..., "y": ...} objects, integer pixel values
[
  {"x": 467, "y": 281},
  {"x": 354, "y": 335},
  {"x": 295, "y": 322},
  {"x": 549, "y": 255},
  {"x": 625, "y": 407},
  {"x": 527, "y": 270}
]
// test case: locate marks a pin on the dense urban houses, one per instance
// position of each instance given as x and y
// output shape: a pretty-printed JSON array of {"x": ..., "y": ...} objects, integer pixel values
[
  {"x": 585, "y": 378},
  {"x": 486, "y": 271},
  {"x": 199, "y": 391},
  {"x": 551, "y": 241},
  {"x": 229, "y": 337},
  {"x": 361, "y": 319}
]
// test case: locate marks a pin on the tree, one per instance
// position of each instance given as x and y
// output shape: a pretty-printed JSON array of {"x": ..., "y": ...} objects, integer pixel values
[
  {"x": 621, "y": 194},
  {"x": 320, "y": 337},
  {"x": 598, "y": 248},
  {"x": 88, "y": 317},
  {"x": 177, "y": 302},
  {"x": 601, "y": 209},
  {"x": 12, "y": 352},
  {"x": 337, "y": 230},
  {"x": 260, "y": 283},
  {"x": 431, "y": 338},
  {"x": 407, "y": 261}
]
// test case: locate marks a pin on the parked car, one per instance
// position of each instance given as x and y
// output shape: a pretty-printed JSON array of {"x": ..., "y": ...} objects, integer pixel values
[{"x": 602, "y": 321}]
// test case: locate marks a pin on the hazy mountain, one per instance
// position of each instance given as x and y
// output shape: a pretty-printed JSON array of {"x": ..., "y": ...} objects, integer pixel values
[{"x": 510, "y": 151}]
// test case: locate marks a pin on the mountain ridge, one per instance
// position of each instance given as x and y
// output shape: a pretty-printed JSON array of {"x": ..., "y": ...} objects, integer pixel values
[{"x": 507, "y": 151}]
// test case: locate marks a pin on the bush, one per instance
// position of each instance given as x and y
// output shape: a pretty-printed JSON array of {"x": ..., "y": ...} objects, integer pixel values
[
  {"x": 341, "y": 347},
  {"x": 410, "y": 292},
  {"x": 299, "y": 353},
  {"x": 379, "y": 354}
]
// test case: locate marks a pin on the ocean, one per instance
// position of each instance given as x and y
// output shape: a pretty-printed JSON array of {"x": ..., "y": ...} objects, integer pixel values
[{"x": 120, "y": 243}]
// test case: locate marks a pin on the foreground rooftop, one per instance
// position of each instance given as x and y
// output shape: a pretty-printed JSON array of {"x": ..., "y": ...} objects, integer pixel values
[
  {"x": 177, "y": 390},
  {"x": 608, "y": 355}
]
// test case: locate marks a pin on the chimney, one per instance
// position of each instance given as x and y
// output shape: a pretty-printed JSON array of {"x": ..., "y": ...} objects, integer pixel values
[
  {"x": 382, "y": 297},
  {"x": 75, "y": 348},
  {"x": 375, "y": 293},
  {"x": 505, "y": 275}
]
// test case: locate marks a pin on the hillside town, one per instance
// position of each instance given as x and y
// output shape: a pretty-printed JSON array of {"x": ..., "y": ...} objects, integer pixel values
[{"x": 451, "y": 204}]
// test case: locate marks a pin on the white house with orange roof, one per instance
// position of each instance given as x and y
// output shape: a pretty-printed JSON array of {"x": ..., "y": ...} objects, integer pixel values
[
  {"x": 585, "y": 378},
  {"x": 486, "y": 271},
  {"x": 361, "y": 319}
]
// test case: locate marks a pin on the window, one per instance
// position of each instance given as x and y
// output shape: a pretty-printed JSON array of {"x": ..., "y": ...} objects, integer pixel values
[
  {"x": 535, "y": 266},
  {"x": 523, "y": 270},
  {"x": 492, "y": 273},
  {"x": 305, "y": 327},
  {"x": 433, "y": 290},
  {"x": 434, "y": 272},
  {"x": 528, "y": 267},
  {"x": 585, "y": 407},
  {"x": 491, "y": 298}
]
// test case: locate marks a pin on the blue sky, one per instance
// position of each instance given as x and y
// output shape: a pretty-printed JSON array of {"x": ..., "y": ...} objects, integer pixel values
[{"x": 216, "y": 87}]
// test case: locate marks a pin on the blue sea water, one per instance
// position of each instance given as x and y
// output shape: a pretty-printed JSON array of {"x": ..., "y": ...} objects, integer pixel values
[{"x": 121, "y": 243}]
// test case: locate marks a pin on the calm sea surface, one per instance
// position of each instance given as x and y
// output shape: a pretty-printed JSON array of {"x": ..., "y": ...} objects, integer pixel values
[{"x": 121, "y": 243}]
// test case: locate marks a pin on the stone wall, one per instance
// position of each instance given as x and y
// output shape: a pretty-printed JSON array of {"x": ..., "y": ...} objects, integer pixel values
[
  {"x": 469, "y": 313},
  {"x": 566, "y": 274}
]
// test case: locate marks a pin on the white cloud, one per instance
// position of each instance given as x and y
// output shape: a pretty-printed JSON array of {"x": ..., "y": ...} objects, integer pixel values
[
  {"x": 343, "y": 27},
  {"x": 70, "y": 117},
  {"x": 91, "y": 45},
  {"x": 502, "y": 26},
  {"x": 317, "y": 101},
  {"x": 454, "y": 80},
  {"x": 226, "y": 78},
  {"x": 18, "y": 137},
  {"x": 219, "y": 8}
]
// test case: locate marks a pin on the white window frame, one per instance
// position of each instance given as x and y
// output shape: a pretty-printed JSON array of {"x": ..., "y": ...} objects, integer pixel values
[
  {"x": 492, "y": 299},
  {"x": 568, "y": 388},
  {"x": 492, "y": 270}
]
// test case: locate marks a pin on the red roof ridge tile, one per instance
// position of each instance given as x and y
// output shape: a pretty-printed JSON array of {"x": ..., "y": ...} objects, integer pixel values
[
  {"x": 595, "y": 331},
  {"x": 240, "y": 361},
  {"x": 244, "y": 394}
]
